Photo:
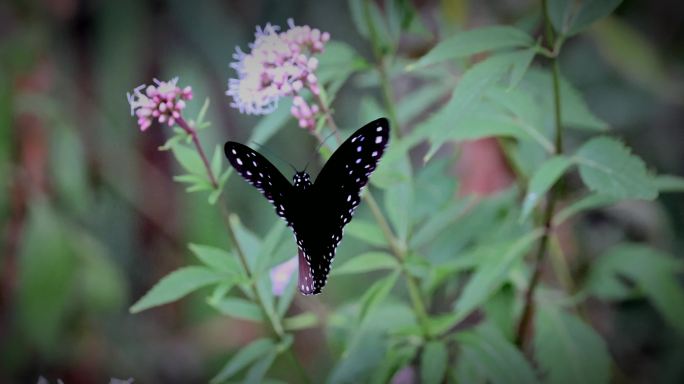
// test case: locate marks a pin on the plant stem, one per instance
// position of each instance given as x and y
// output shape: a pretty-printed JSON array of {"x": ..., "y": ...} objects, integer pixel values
[
  {"x": 328, "y": 116},
  {"x": 528, "y": 309},
  {"x": 193, "y": 134},
  {"x": 381, "y": 61},
  {"x": 398, "y": 249},
  {"x": 276, "y": 326}
]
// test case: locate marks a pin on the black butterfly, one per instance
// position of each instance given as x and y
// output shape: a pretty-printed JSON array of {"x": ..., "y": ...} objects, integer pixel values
[{"x": 316, "y": 212}]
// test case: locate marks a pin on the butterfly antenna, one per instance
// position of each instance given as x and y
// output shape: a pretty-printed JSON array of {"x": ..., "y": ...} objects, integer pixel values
[
  {"x": 267, "y": 150},
  {"x": 318, "y": 147}
]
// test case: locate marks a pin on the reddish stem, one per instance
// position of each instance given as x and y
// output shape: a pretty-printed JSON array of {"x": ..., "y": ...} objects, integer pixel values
[{"x": 193, "y": 134}]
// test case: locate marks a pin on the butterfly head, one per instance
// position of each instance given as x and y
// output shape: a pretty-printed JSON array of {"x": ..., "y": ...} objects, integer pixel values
[{"x": 301, "y": 180}]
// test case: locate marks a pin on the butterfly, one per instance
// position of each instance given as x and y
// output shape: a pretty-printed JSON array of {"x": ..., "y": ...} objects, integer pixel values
[{"x": 316, "y": 211}]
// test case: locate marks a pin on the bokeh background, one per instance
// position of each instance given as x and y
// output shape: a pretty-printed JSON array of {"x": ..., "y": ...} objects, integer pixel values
[{"x": 90, "y": 218}]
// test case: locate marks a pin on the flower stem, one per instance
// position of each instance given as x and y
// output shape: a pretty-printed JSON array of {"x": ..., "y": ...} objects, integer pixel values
[
  {"x": 193, "y": 134},
  {"x": 528, "y": 309},
  {"x": 274, "y": 322},
  {"x": 328, "y": 116}
]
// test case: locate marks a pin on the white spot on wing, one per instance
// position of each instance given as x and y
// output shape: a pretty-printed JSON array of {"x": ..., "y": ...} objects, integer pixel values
[{"x": 378, "y": 140}]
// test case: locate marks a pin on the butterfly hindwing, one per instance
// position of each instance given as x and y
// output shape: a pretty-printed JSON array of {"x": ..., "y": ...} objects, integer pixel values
[{"x": 263, "y": 175}]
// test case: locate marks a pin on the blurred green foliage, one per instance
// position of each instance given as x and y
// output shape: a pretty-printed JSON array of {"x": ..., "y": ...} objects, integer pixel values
[{"x": 430, "y": 281}]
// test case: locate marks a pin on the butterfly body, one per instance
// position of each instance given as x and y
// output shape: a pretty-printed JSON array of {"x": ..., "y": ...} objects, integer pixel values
[{"x": 317, "y": 212}]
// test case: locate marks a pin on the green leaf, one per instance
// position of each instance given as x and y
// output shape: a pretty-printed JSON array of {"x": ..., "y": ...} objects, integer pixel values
[
  {"x": 336, "y": 64},
  {"x": 493, "y": 357},
  {"x": 475, "y": 41},
  {"x": 399, "y": 201},
  {"x": 520, "y": 65},
  {"x": 669, "y": 183},
  {"x": 570, "y": 17},
  {"x": 500, "y": 311},
  {"x": 569, "y": 350},
  {"x": 415, "y": 103},
  {"x": 358, "y": 17},
  {"x": 286, "y": 298},
  {"x": 478, "y": 126},
  {"x": 239, "y": 308},
  {"x": 47, "y": 272},
  {"x": 591, "y": 201},
  {"x": 270, "y": 124},
  {"x": 216, "y": 161},
  {"x": 367, "y": 262},
  {"x": 608, "y": 167},
  {"x": 367, "y": 232},
  {"x": 636, "y": 56},
  {"x": 376, "y": 294},
  {"x": 492, "y": 273},
  {"x": 243, "y": 358},
  {"x": 176, "y": 285},
  {"x": 214, "y": 195},
  {"x": 653, "y": 272},
  {"x": 435, "y": 191},
  {"x": 575, "y": 111},
  {"x": 470, "y": 88},
  {"x": 301, "y": 321},
  {"x": 190, "y": 179},
  {"x": 217, "y": 259},
  {"x": 248, "y": 241},
  {"x": 542, "y": 180},
  {"x": 365, "y": 350},
  {"x": 433, "y": 362},
  {"x": 268, "y": 247},
  {"x": 190, "y": 160},
  {"x": 256, "y": 373}
]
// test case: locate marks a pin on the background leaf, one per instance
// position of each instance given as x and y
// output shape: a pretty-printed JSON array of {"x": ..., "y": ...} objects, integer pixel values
[
  {"x": 570, "y": 17},
  {"x": 474, "y": 41},
  {"x": 493, "y": 357},
  {"x": 545, "y": 176},
  {"x": 569, "y": 350},
  {"x": 608, "y": 167},
  {"x": 492, "y": 273},
  {"x": 366, "y": 262},
  {"x": 176, "y": 285},
  {"x": 243, "y": 358},
  {"x": 433, "y": 362},
  {"x": 653, "y": 272}
]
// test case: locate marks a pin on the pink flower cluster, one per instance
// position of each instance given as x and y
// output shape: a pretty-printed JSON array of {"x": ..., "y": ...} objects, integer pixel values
[
  {"x": 279, "y": 64},
  {"x": 163, "y": 101}
]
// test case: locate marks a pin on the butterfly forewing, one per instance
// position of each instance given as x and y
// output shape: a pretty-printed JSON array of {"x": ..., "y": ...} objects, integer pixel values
[{"x": 263, "y": 175}]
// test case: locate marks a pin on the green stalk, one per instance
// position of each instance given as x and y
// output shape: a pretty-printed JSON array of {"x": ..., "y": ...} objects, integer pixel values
[
  {"x": 528, "y": 309},
  {"x": 274, "y": 322},
  {"x": 381, "y": 59}
]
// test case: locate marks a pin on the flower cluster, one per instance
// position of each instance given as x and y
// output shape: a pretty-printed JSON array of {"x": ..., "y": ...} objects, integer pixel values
[
  {"x": 279, "y": 64},
  {"x": 163, "y": 101}
]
